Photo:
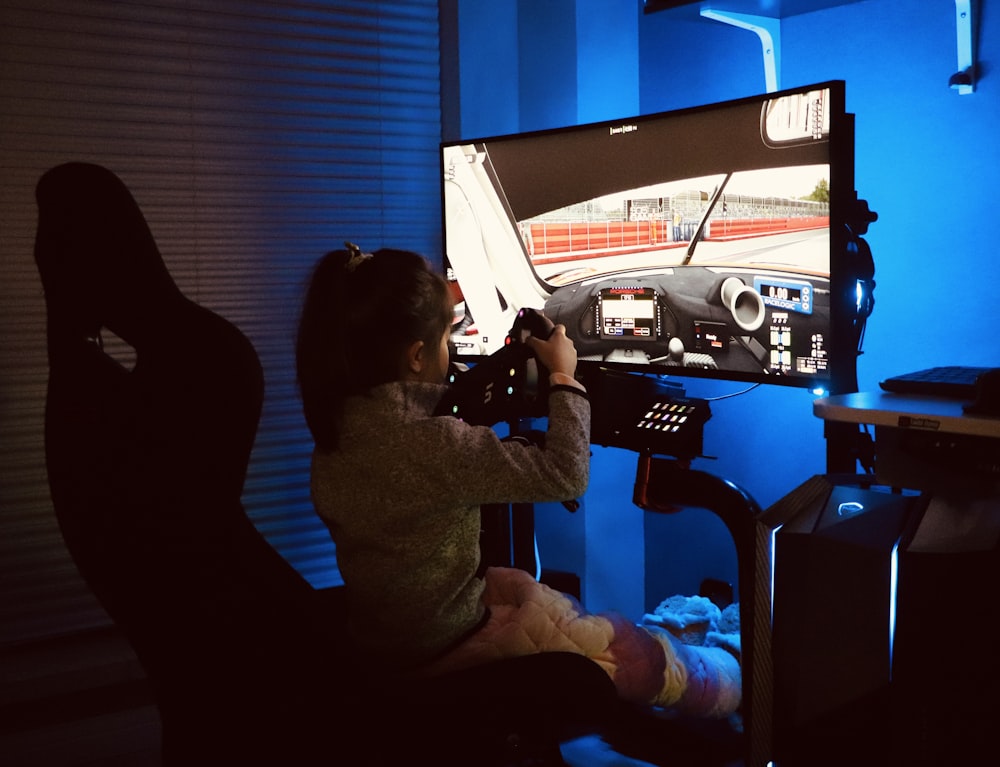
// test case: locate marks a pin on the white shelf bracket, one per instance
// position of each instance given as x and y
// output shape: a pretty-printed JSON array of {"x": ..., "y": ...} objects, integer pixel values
[
  {"x": 769, "y": 32},
  {"x": 964, "y": 80}
]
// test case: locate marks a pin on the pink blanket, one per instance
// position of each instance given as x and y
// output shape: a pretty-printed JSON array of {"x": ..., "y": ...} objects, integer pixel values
[{"x": 647, "y": 663}]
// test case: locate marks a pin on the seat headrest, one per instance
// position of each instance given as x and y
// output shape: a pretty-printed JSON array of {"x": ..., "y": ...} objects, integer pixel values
[{"x": 97, "y": 258}]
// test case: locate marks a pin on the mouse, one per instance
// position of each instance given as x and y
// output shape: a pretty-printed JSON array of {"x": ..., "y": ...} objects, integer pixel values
[{"x": 987, "y": 400}]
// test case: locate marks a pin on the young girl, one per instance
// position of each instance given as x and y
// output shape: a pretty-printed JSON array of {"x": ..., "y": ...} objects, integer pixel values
[{"x": 400, "y": 490}]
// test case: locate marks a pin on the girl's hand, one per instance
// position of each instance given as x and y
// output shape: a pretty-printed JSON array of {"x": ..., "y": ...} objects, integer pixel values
[{"x": 557, "y": 353}]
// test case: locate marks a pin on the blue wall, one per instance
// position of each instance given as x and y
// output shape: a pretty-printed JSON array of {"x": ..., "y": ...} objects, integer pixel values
[{"x": 927, "y": 161}]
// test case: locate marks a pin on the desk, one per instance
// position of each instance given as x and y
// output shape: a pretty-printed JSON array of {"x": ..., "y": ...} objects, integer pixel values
[
  {"x": 905, "y": 411},
  {"x": 925, "y": 443}
]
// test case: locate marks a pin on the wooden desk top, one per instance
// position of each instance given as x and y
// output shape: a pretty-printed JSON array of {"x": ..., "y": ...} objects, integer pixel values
[{"x": 905, "y": 411}]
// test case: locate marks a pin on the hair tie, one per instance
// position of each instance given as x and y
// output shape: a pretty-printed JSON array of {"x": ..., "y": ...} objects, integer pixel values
[{"x": 356, "y": 256}]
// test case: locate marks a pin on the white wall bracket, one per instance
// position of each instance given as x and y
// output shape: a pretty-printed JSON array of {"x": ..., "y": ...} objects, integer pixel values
[
  {"x": 769, "y": 32},
  {"x": 964, "y": 80}
]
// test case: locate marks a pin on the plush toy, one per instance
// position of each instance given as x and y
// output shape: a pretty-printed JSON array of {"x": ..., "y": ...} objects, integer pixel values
[{"x": 698, "y": 622}]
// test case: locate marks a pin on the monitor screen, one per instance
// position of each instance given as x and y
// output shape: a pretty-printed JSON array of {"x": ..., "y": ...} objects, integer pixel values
[{"x": 700, "y": 242}]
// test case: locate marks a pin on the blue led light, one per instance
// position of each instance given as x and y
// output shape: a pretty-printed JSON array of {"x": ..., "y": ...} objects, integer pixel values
[
  {"x": 893, "y": 589},
  {"x": 850, "y": 508}
]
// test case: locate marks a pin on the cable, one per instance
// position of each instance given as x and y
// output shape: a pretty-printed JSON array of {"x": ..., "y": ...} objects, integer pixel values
[{"x": 734, "y": 394}]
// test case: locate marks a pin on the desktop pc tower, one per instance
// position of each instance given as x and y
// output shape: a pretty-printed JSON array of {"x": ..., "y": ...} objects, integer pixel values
[
  {"x": 883, "y": 638},
  {"x": 834, "y": 548}
]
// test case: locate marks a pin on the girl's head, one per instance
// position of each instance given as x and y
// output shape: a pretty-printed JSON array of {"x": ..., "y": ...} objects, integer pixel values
[{"x": 368, "y": 320}]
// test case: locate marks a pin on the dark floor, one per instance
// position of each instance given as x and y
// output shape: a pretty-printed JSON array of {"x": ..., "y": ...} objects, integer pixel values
[{"x": 78, "y": 701}]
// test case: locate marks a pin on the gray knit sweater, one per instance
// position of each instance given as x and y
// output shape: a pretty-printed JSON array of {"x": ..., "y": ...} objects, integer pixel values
[{"x": 401, "y": 497}]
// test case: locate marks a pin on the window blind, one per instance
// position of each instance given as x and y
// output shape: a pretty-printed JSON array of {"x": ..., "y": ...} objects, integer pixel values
[{"x": 255, "y": 136}]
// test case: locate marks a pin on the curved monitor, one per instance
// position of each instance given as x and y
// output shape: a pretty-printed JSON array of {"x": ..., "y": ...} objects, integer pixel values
[{"x": 701, "y": 242}]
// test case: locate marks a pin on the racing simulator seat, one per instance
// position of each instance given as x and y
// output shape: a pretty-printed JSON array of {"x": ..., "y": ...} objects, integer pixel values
[{"x": 246, "y": 661}]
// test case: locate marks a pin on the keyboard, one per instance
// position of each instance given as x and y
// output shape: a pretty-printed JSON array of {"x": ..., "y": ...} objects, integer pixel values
[{"x": 951, "y": 381}]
